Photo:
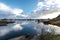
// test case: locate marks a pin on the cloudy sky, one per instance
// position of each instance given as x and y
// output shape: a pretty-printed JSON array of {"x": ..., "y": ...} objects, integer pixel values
[{"x": 41, "y": 9}]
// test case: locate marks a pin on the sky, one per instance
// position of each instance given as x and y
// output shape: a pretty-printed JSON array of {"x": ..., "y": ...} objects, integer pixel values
[
  {"x": 38, "y": 9},
  {"x": 26, "y": 5}
]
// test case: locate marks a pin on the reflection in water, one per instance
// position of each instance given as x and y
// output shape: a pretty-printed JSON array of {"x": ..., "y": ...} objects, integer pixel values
[
  {"x": 17, "y": 29},
  {"x": 47, "y": 28},
  {"x": 21, "y": 28}
]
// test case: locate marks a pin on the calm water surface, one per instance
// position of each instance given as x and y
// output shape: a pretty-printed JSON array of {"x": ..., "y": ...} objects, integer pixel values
[
  {"x": 23, "y": 28},
  {"x": 16, "y": 29}
]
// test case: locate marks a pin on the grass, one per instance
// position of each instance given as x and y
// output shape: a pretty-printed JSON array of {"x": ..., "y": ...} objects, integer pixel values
[
  {"x": 49, "y": 37},
  {"x": 55, "y": 21}
]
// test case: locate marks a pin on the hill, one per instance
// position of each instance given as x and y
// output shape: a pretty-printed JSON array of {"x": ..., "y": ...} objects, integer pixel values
[{"x": 55, "y": 21}]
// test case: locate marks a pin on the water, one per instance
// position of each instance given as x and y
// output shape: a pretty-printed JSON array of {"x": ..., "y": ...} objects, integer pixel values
[
  {"x": 16, "y": 29},
  {"x": 24, "y": 28}
]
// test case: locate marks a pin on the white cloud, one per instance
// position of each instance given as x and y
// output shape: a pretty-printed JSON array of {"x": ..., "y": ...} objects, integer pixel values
[
  {"x": 53, "y": 15},
  {"x": 40, "y": 4},
  {"x": 50, "y": 2},
  {"x": 47, "y": 9},
  {"x": 6, "y": 8},
  {"x": 25, "y": 15},
  {"x": 46, "y": 4},
  {"x": 57, "y": 2},
  {"x": 12, "y": 12},
  {"x": 17, "y": 11}
]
